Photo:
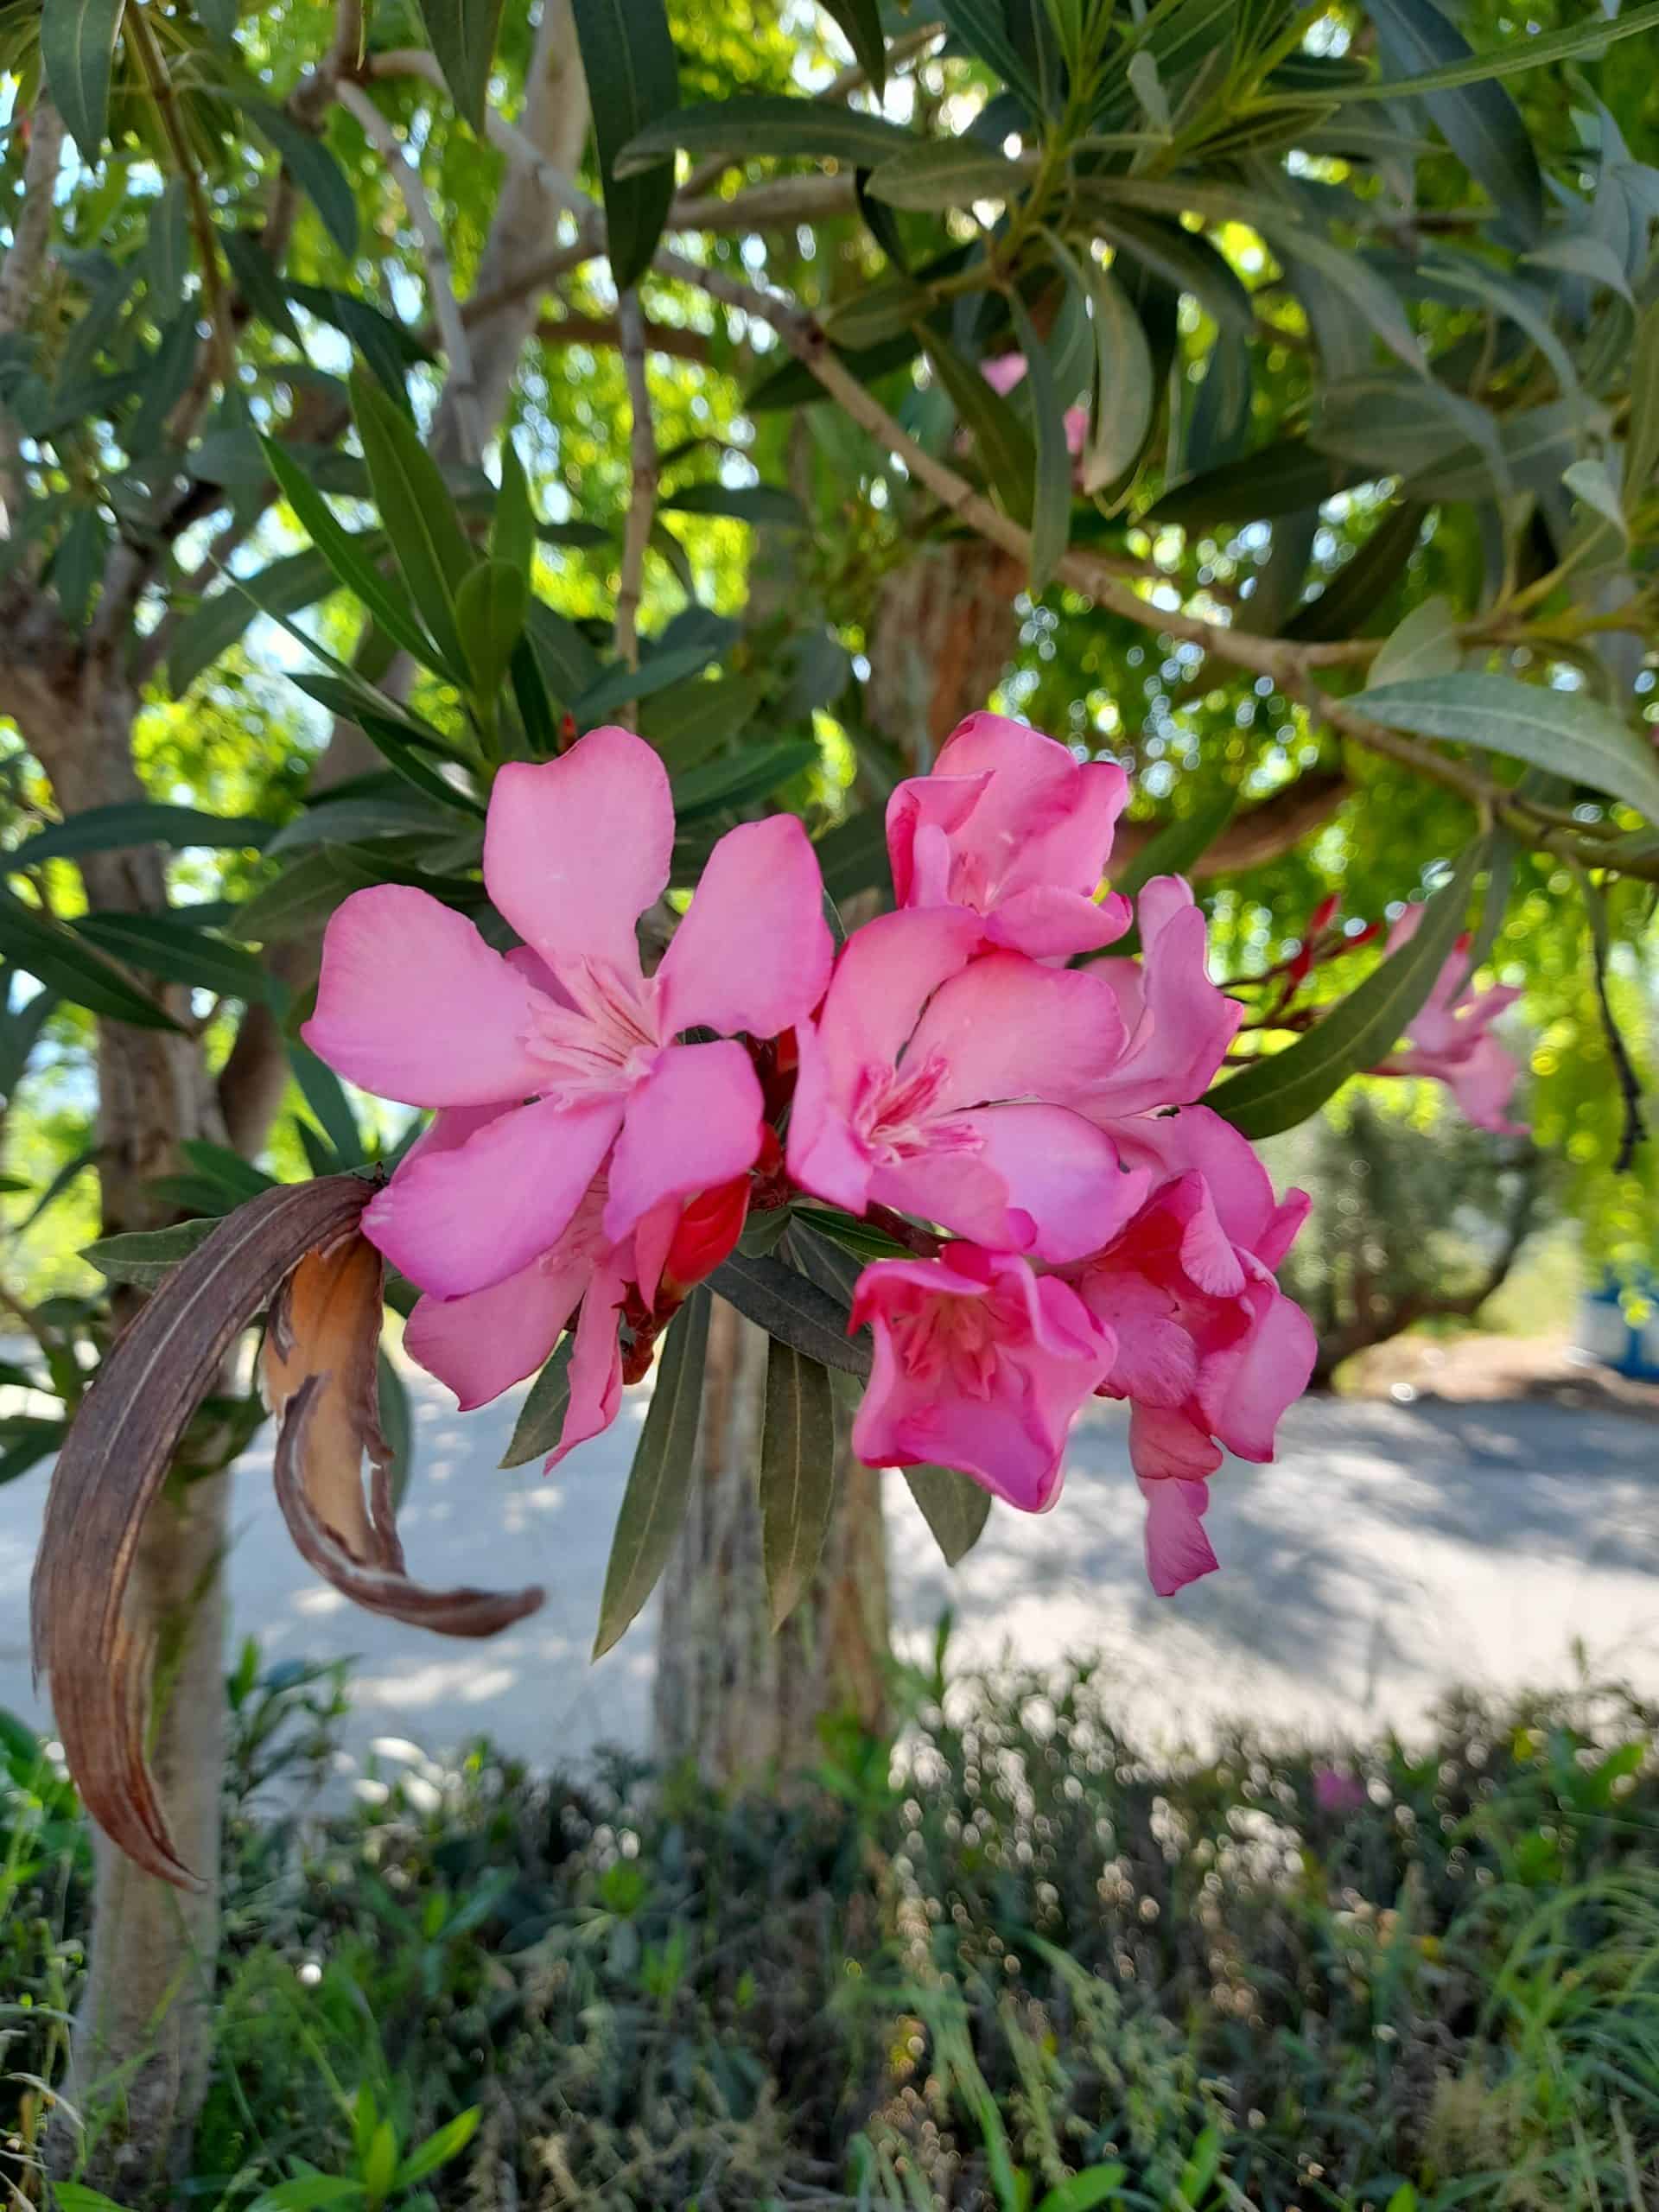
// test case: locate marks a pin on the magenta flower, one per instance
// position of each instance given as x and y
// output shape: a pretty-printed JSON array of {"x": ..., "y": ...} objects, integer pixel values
[
  {"x": 927, "y": 1082},
  {"x": 1209, "y": 1352},
  {"x": 569, "y": 1038},
  {"x": 979, "y": 1365},
  {"x": 1336, "y": 1792},
  {"x": 1012, "y": 827},
  {"x": 1450, "y": 1038}
]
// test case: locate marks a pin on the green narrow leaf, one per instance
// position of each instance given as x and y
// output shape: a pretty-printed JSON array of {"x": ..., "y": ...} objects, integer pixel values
[
  {"x": 257, "y": 280},
  {"x": 1535, "y": 51},
  {"x": 79, "y": 562},
  {"x": 1184, "y": 259},
  {"x": 861, "y": 23},
  {"x": 166, "y": 376},
  {"x": 955, "y": 1509},
  {"x": 1567, "y": 733},
  {"x": 77, "y": 971},
  {"x": 1051, "y": 499},
  {"x": 633, "y": 79},
  {"x": 613, "y": 686},
  {"x": 513, "y": 527},
  {"x": 1002, "y": 442},
  {"x": 179, "y": 952},
  {"x": 763, "y": 505},
  {"x": 937, "y": 174},
  {"x": 147, "y": 1257},
  {"x": 490, "y": 615},
  {"x": 462, "y": 35},
  {"x": 659, "y": 1483},
  {"x": 76, "y": 52},
  {"x": 1353, "y": 594},
  {"x": 541, "y": 1418},
  {"x": 797, "y": 1475},
  {"x": 797, "y": 1311},
  {"x": 296, "y": 582},
  {"x": 448, "y": 2142},
  {"x": 1479, "y": 121},
  {"x": 853, "y": 856},
  {"x": 416, "y": 513},
  {"x": 982, "y": 27},
  {"x": 347, "y": 555},
  {"x": 1277, "y": 479},
  {"x": 741, "y": 779},
  {"x": 1424, "y": 644},
  {"x": 312, "y": 167},
  {"x": 325, "y": 1095},
  {"x": 350, "y": 821},
  {"x": 765, "y": 122},
  {"x": 1641, "y": 439},
  {"x": 1282, "y": 1089},
  {"x": 396, "y": 1425},
  {"x": 1124, "y": 388}
]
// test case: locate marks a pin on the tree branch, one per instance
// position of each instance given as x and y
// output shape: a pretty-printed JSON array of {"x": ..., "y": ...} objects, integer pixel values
[
  {"x": 606, "y": 330},
  {"x": 1259, "y": 834},
  {"x": 461, "y": 385}
]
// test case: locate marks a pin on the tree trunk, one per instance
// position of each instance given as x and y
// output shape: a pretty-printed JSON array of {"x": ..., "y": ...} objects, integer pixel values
[
  {"x": 730, "y": 1697},
  {"x": 139, "y": 2058}
]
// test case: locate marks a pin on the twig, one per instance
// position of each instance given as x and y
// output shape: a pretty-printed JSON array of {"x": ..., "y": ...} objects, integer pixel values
[
  {"x": 642, "y": 503},
  {"x": 415, "y": 61},
  {"x": 218, "y": 362},
  {"x": 682, "y": 345},
  {"x": 461, "y": 387},
  {"x": 1289, "y": 666}
]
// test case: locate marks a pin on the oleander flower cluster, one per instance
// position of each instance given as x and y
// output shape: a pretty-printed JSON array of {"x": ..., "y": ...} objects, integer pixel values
[{"x": 1067, "y": 1220}]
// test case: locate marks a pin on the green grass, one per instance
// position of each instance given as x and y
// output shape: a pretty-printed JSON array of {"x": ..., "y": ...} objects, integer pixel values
[{"x": 1020, "y": 1969}]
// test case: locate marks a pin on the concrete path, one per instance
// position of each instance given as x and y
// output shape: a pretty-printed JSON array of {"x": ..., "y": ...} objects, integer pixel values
[{"x": 1394, "y": 1551}]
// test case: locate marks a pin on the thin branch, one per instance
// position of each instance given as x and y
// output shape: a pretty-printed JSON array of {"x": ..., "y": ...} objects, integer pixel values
[
  {"x": 461, "y": 386},
  {"x": 311, "y": 97},
  {"x": 642, "y": 504},
  {"x": 606, "y": 330},
  {"x": 777, "y": 205},
  {"x": 562, "y": 188},
  {"x": 1289, "y": 666}
]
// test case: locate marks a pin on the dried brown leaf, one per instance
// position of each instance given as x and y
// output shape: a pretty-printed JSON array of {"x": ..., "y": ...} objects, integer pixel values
[
  {"x": 114, "y": 1462},
  {"x": 321, "y": 1381}
]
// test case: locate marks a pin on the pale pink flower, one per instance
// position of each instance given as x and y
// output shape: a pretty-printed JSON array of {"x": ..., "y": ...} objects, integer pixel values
[
  {"x": 1450, "y": 1038},
  {"x": 979, "y": 1365},
  {"x": 1014, "y": 828},
  {"x": 567, "y": 1039},
  {"x": 927, "y": 1084},
  {"x": 1209, "y": 1352}
]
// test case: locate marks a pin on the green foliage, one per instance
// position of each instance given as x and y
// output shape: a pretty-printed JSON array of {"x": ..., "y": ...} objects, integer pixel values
[{"x": 1381, "y": 1977}]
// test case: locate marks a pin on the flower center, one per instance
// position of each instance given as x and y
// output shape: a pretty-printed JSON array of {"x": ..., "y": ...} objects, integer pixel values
[
  {"x": 895, "y": 1114},
  {"x": 951, "y": 1337},
  {"x": 607, "y": 1040}
]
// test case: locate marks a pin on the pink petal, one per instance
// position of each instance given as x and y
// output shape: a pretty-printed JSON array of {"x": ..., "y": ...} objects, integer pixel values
[
  {"x": 1207, "y": 1254},
  {"x": 483, "y": 1343},
  {"x": 596, "y": 1364},
  {"x": 1198, "y": 1141},
  {"x": 823, "y": 1156},
  {"x": 1483, "y": 1086},
  {"x": 1006, "y": 1028},
  {"x": 413, "y": 1005},
  {"x": 1245, "y": 1388},
  {"x": 960, "y": 1192},
  {"x": 693, "y": 1122},
  {"x": 1061, "y": 1171},
  {"x": 459, "y": 1220},
  {"x": 1003, "y": 370},
  {"x": 576, "y": 848},
  {"x": 652, "y": 1236},
  {"x": 887, "y": 971},
  {"x": 754, "y": 952},
  {"x": 1178, "y": 1550},
  {"x": 1181, "y": 1024},
  {"x": 1046, "y": 924},
  {"x": 923, "y": 812},
  {"x": 1164, "y": 1446},
  {"x": 1157, "y": 1363}
]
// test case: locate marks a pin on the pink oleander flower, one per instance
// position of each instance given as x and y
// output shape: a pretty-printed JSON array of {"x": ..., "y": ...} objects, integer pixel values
[
  {"x": 1450, "y": 1038},
  {"x": 979, "y": 1365},
  {"x": 1004, "y": 371},
  {"x": 1209, "y": 1352},
  {"x": 565, "y": 1038},
  {"x": 1011, "y": 826},
  {"x": 1177, "y": 1024},
  {"x": 927, "y": 1084}
]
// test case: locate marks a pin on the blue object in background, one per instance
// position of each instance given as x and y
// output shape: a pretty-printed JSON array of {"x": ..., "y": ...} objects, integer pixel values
[{"x": 1606, "y": 1332}]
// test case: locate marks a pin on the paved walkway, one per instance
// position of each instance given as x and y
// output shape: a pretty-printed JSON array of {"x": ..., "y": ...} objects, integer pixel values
[{"x": 1394, "y": 1550}]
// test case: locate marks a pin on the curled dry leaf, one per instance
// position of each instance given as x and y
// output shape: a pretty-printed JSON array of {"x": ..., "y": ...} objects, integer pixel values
[
  {"x": 319, "y": 1375},
  {"x": 301, "y": 1243}
]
